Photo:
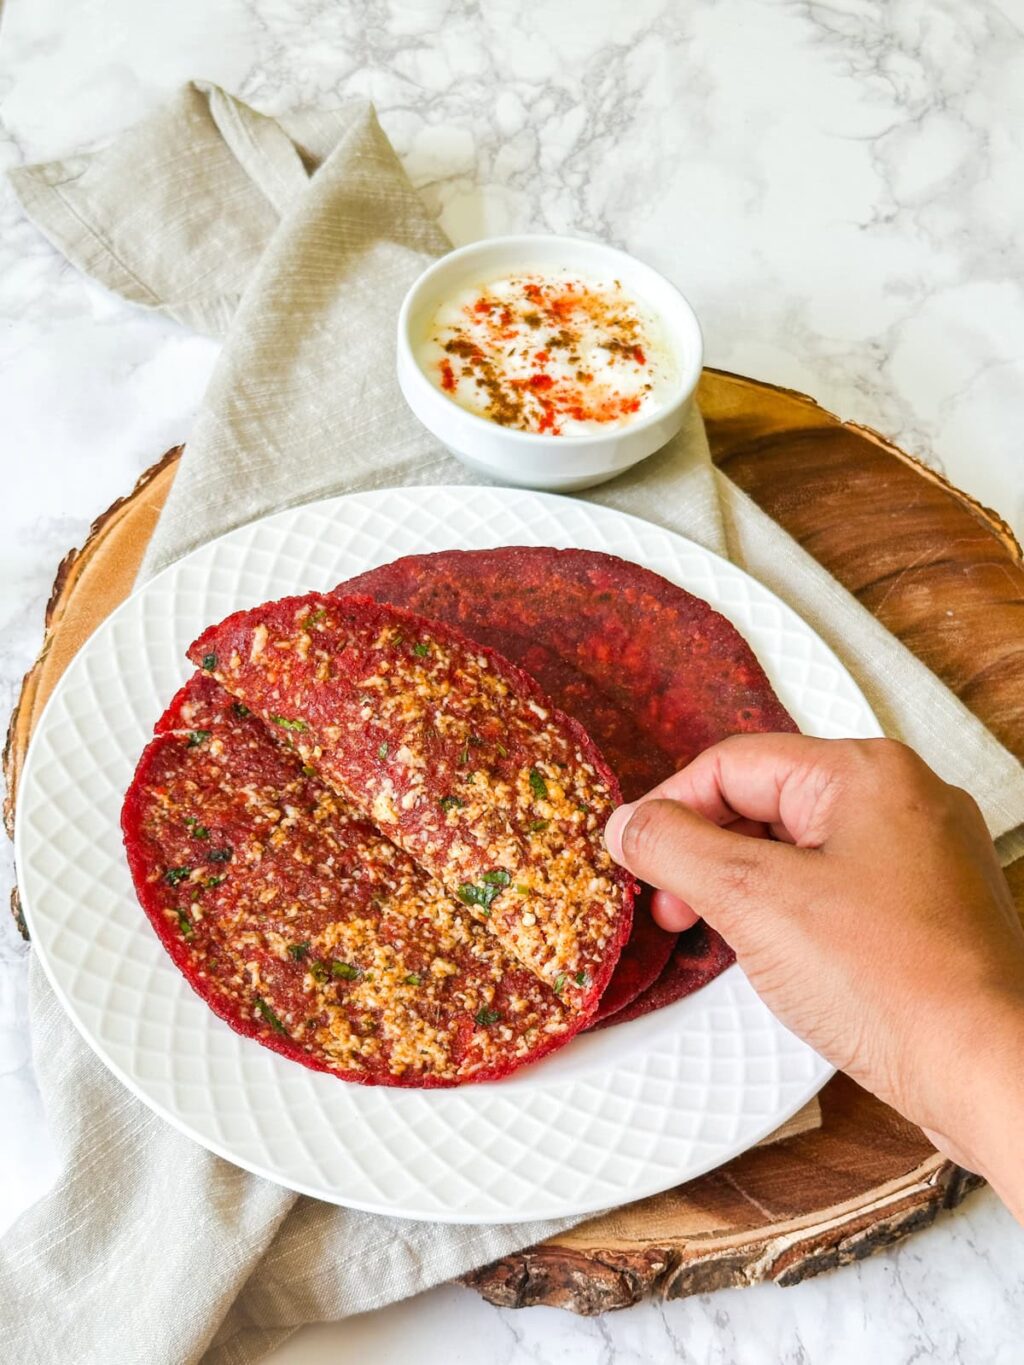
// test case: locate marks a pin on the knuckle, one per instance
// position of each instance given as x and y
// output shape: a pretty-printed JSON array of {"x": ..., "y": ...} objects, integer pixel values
[
  {"x": 962, "y": 809},
  {"x": 741, "y": 876},
  {"x": 882, "y": 762}
]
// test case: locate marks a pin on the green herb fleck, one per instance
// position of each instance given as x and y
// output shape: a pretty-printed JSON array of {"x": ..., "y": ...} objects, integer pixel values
[
  {"x": 287, "y": 724},
  {"x": 196, "y": 737},
  {"x": 502, "y": 751},
  {"x": 414, "y": 979},
  {"x": 219, "y": 855},
  {"x": 174, "y": 875},
  {"x": 497, "y": 877},
  {"x": 559, "y": 983},
  {"x": 240, "y": 709},
  {"x": 308, "y": 770},
  {"x": 382, "y": 750},
  {"x": 345, "y": 970},
  {"x": 316, "y": 617},
  {"x": 185, "y": 925},
  {"x": 486, "y": 1017},
  {"x": 421, "y": 649},
  {"x": 523, "y": 890},
  {"x": 582, "y": 979},
  {"x": 197, "y": 830},
  {"x": 584, "y": 808},
  {"x": 483, "y": 896},
  {"x": 539, "y": 786},
  {"x": 297, "y": 951},
  {"x": 318, "y": 971},
  {"x": 537, "y": 825},
  {"x": 450, "y": 803},
  {"x": 209, "y": 662},
  {"x": 213, "y": 881},
  {"x": 269, "y": 1015},
  {"x": 464, "y": 756}
]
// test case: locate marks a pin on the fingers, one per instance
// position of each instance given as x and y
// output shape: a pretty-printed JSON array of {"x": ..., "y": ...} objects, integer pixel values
[
  {"x": 672, "y": 913},
  {"x": 782, "y": 782},
  {"x": 707, "y": 871}
]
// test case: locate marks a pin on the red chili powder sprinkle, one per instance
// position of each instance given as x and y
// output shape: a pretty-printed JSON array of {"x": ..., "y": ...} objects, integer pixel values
[{"x": 541, "y": 400}]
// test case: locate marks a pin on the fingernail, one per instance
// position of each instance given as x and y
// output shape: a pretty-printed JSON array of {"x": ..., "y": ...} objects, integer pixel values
[{"x": 620, "y": 818}]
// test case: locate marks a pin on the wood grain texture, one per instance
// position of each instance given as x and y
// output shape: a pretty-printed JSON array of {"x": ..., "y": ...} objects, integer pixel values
[{"x": 944, "y": 575}]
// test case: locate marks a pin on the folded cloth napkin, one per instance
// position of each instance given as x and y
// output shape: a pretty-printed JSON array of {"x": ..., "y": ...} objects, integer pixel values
[{"x": 296, "y": 238}]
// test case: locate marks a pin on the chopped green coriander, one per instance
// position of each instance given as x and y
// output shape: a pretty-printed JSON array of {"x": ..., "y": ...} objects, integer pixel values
[
  {"x": 197, "y": 830},
  {"x": 450, "y": 802},
  {"x": 196, "y": 737},
  {"x": 308, "y": 770},
  {"x": 240, "y": 709},
  {"x": 185, "y": 925},
  {"x": 174, "y": 875},
  {"x": 318, "y": 971},
  {"x": 414, "y": 979},
  {"x": 219, "y": 855},
  {"x": 523, "y": 890},
  {"x": 209, "y": 662},
  {"x": 502, "y": 751},
  {"x": 464, "y": 756},
  {"x": 297, "y": 951},
  {"x": 421, "y": 649},
  {"x": 559, "y": 983},
  {"x": 539, "y": 786},
  {"x": 483, "y": 896},
  {"x": 345, "y": 970},
  {"x": 537, "y": 825},
  {"x": 382, "y": 750},
  {"x": 287, "y": 724},
  {"x": 486, "y": 1017},
  {"x": 213, "y": 881},
  {"x": 269, "y": 1015},
  {"x": 316, "y": 617},
  {"x": 584, "y": 808},
  {"x": 582, "y": 979},
  {"x": 497, "y": 877}
]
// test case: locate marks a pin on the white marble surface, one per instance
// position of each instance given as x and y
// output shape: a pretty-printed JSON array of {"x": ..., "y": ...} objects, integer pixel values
[{"x": 838, "y": 187}]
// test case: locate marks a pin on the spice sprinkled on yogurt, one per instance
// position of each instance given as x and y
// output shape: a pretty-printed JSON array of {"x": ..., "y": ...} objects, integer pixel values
[{"x": 553, "y": 352}]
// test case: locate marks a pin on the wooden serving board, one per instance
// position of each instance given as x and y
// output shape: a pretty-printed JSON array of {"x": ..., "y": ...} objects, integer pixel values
[{"x": 912, "y": 549}]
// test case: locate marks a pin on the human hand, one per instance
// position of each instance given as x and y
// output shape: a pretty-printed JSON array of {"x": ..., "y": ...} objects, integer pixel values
[{"x": 865, "y": 902}]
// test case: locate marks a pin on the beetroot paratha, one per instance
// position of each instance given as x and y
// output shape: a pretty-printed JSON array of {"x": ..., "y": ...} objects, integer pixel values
[
  {"x": 652, "y": 672},
  {"x": 303, "y": 927},
  {"x": 698, "y": 957},
  {"x": 455, "y": 755}
]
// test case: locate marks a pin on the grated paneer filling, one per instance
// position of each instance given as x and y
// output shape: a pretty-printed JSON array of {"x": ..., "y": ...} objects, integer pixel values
[{"x": 455, "y": 755}]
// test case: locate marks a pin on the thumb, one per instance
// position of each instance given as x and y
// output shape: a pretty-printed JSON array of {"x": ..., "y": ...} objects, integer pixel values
[{"x": 715, "y": 871}]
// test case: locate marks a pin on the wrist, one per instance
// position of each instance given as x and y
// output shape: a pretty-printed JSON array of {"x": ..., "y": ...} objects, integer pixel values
[{"x": 991, "y": 1100}]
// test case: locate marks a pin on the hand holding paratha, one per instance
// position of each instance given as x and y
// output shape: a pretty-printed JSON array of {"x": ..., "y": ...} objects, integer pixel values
[{"x": 875, "y": 921}]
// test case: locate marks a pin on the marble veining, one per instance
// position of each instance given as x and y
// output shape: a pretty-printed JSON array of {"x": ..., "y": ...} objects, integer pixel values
[{"x": 839, "y": 190}]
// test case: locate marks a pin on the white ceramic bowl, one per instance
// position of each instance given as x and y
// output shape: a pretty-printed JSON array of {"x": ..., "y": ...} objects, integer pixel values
[{"x": 524, "y": 458}]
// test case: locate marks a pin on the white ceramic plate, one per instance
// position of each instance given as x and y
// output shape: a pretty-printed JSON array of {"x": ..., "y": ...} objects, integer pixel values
[{"x": 614, "y": 1116}]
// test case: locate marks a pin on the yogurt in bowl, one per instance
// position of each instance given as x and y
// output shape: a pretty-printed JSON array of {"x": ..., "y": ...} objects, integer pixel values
[{"x": 548, "y": 362}]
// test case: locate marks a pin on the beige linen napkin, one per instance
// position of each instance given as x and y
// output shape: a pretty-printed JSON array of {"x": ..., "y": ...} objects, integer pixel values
[{"x": 296, "y": 238}]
